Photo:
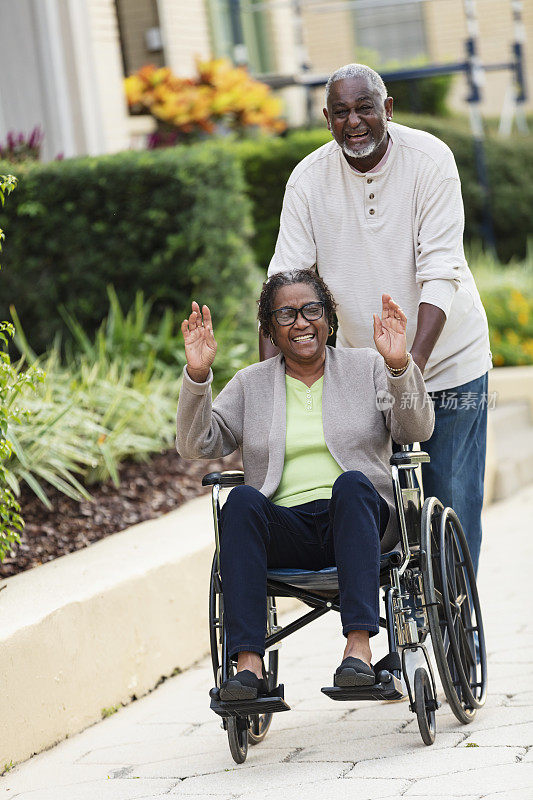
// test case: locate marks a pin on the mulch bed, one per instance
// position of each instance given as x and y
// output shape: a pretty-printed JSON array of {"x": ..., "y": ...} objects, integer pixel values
[{"x": 146, "y": 491}]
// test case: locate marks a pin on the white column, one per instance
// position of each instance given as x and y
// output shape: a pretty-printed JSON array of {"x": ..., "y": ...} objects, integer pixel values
[
  {"x": 90, "y": 122},
  {"x": 33, "y": 87},
  {"x": 105, "y": 69},
  {"x": 60, "y": 68},
  {"x": 185, "y": 32}
]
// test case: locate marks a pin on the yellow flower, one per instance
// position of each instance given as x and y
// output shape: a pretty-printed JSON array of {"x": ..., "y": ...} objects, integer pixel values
[{"x": 220, "y": 92}]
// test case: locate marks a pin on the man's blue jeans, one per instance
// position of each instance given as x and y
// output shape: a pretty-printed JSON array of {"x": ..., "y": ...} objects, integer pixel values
[{"x": 457, "y": 450}]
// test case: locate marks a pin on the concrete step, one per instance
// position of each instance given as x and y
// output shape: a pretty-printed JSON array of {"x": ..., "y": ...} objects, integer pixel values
[
  {"x": 513, "y": 461},
  {"x": 510, "y": 417}
]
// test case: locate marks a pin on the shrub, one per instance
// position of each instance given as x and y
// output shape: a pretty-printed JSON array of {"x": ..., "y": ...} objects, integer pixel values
[
  {"x": 174, "y": 222},
  {"x": 423, "y": 96},
  {"x": 507, "y": 294},
  {"x": 268, "y": 163}
]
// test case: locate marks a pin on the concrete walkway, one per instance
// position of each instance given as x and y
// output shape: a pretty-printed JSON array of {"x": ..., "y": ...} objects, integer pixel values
[{"x": 169, "y": 743}]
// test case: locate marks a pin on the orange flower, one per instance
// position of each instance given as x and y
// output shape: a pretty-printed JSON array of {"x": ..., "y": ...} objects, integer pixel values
[{"x": 220, "y": 93}]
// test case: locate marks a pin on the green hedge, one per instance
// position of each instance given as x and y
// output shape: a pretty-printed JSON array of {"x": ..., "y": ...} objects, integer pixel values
[
  {"x": 268, "y": 163},
  {"x": 174, "y": 223}
]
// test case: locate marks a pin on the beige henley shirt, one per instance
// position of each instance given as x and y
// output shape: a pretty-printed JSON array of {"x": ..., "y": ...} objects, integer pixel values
[{"x": 398, "y": 230}]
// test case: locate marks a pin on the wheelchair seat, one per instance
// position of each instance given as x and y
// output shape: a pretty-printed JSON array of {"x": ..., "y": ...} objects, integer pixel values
[{"x": 325, "y": 580}]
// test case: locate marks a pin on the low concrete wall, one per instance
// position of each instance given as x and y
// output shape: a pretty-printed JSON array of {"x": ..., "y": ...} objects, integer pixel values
[{"x": 512, "y": 384}]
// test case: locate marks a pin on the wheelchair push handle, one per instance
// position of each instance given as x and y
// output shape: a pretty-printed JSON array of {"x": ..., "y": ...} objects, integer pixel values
[
  {"x": 230, "y": 477},
  {"x": 409, "y": 458}
]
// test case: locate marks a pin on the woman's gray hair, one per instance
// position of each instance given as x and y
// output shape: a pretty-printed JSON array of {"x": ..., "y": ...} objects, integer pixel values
[{"x": 359, "y": 71}]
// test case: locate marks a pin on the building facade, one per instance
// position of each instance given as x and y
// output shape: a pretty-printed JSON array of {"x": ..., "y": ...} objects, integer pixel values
[{"x": 62, "y": 62}]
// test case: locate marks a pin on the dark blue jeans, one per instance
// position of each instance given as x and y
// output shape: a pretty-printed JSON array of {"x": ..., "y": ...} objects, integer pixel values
[
  {"x": 344, "y": 532},
  {"x": 457, "y": 449}
]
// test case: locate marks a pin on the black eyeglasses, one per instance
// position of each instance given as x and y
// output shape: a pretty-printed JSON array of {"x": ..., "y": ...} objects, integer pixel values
[{"x": 310, "y": 311}]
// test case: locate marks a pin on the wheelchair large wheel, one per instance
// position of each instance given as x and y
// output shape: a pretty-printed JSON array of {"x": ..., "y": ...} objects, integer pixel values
[
  {"x": 257, "y": 725},
  {"x": 454, "y": 611}
]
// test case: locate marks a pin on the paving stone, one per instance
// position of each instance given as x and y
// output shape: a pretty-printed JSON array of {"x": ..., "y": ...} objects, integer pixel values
[
  {"x": 360, "y": 789},
  {"x": 514, "y": 794},
  {"x": 146, "y": 752},
  {"x": 193, "y": 765},
  {"x": 379, "y": 746},
  {"x": 249, "y": 780},
  {"x": 434, "y": 762},
  {"x": 520, "y": 699},
  {"x": 503, "y": 717},
  {"x": 501, "y": 779},
  {"x": 521, "y": 655},
  {"x": 41, "y": 773},
  {"x": 519, "y": 735},
  {"x": 100, "y": 790}
]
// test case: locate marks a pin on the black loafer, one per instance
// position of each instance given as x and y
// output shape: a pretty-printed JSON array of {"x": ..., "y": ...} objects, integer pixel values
[
  {"x": 354, "y": 672},
  {"x": 244, "y": 685}
]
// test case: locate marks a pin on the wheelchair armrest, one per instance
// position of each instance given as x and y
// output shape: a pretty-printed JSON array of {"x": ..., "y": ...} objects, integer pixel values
[
  {"x": 231, "y": 477},
  {"x": 409, "y": 458}
]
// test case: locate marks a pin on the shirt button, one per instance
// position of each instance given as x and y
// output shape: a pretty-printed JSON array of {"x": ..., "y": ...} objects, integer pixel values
[
  {"x": 371, "y": 211},
  {"x": 371, "y": 195},
  {"x": 369, "y": 180}
]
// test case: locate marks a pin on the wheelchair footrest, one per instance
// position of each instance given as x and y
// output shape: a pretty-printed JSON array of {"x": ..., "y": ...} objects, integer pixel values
[
  {"x": 387, "y": 688},
  {"x": 269, "y": 704}
]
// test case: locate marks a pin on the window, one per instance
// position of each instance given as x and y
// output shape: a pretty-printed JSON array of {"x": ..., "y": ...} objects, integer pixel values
[
  {"x": 242, "y": 33},
  {"x": 140, "y": 38},
  {"x": 395, "y": 32}
]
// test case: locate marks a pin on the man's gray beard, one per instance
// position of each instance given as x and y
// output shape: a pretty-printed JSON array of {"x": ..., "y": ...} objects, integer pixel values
[{"x": 366, "y": 151}]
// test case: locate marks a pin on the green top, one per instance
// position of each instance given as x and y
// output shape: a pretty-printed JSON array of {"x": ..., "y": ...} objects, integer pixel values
[{"x": 309, "y": 470}]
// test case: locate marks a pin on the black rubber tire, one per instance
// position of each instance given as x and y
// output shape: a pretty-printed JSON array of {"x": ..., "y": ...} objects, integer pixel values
[
  {"x": 449, "y": 583},
  {"x": 423, "y": 695},
  {"x": 238, "y": 739}
]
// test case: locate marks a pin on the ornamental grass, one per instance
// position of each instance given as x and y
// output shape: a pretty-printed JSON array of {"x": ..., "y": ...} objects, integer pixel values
[{"x": 108, "y": 398}]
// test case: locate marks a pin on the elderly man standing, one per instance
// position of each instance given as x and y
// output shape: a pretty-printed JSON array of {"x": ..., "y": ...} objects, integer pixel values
[{"x": 379, "y": 209}]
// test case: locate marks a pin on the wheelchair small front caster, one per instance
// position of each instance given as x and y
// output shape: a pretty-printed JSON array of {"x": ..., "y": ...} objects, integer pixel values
[
  {"x": 238, "y": 738},
  {"x": 425, "y": 705}
]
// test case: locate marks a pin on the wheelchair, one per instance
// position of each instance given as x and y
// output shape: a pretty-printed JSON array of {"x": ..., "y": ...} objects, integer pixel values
[{"x": 429, "y": 589}]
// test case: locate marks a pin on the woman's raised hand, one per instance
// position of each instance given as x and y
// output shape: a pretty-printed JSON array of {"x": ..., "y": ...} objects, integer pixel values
[
  {"x": 389, "y": 333},
  {"x": 200, "y": 344}
]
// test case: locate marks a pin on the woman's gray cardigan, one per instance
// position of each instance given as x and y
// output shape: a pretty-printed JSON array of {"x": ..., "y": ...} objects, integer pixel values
[{"x": 362, "y": 406}]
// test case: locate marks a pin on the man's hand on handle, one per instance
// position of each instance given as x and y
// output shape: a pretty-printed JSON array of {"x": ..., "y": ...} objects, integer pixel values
[
  {"x": 389, "y": 333},
  {"x": 200, "y": 344}
]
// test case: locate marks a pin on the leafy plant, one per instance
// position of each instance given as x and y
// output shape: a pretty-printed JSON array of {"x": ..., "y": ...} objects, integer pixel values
[
  {"x": 507, "y": 295},
  {"x": 20, "y": 148},
  {"x": 111, "y": 396},
  {"x": 12, "y": 384}
]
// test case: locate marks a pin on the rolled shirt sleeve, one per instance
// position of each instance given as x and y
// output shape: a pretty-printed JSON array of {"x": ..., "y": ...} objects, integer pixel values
[{"x": 439, "y": 253}]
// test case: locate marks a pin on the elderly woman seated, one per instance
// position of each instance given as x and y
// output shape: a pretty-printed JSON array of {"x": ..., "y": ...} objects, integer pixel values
[{"x": 314, "y": 426}]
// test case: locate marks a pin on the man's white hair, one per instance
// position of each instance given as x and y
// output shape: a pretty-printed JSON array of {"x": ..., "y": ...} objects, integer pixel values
[{"x": 359, "y": 71}]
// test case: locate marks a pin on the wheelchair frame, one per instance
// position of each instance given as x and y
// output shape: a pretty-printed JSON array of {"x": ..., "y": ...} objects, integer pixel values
[{"x": 430, "y": 578}]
